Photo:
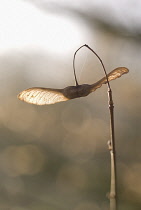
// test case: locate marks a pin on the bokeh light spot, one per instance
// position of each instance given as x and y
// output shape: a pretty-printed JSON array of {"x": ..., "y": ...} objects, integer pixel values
[{"x": 22, "y": 160}]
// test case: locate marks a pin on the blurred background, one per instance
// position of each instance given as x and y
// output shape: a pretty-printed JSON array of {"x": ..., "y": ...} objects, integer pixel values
[{"x": 56, "y": 157}]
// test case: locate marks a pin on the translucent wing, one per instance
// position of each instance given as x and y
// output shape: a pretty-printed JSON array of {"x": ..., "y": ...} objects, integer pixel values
[
  {"x": 116, "y": 73},
  {"x": 42, "y": 96}
]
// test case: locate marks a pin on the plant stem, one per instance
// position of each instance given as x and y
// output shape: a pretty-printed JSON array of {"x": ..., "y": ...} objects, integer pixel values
[
  {"x": 111, "y": 143},
  {"x": 113, "y": 188}
]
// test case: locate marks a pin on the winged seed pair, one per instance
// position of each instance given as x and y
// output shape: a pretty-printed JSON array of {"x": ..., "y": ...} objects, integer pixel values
[{"x": 43, "y": 96}]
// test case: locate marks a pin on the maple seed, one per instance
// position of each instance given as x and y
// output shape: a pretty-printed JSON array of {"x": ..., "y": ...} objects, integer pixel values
[{"x": 43, "y": 96}]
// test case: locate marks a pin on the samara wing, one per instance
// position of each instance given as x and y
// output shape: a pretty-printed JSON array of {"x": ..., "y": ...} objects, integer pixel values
[
  {"x": 116, "y": 73},
  {"x": 43, "y": 96}
]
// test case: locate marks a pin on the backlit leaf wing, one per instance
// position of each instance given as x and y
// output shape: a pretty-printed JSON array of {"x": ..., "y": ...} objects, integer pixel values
[
  {"x": 42, "y": 96},
  {"x": 116, "y": 73}
]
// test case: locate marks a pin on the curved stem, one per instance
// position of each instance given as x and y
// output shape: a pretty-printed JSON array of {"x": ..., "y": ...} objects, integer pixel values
[
  {"x": 74, "y": 64},
  {"x": 85, "y": 45},
  {"x": 113, "y": 188}
]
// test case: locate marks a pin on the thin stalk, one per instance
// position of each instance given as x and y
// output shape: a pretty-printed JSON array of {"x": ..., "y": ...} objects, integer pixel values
[
  {"x": 85, "y": 45},
  {"x": 113, "y": 188},
  {"x": 111, "y": 143}
]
